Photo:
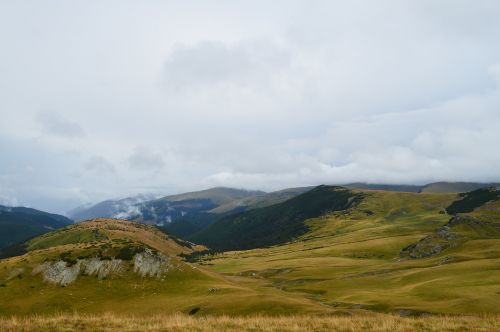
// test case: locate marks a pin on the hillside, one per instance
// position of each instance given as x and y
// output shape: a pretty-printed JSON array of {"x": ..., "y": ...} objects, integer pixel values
[
  {"x": 392, "y": 252},
  {"x": 258, "y": 201},
  {"x": 187, "y": 226},
  {"x": 19, "y": 223},
  {"x": 277, "y": 223},
  {"x": 455, "y": 187},
  {"x": 107, "y": 265}
]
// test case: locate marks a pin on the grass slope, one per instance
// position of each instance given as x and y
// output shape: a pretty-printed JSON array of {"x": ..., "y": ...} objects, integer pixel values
[
  {"x": 186, "y": 288},
  {"x": 352, "y": 259}
]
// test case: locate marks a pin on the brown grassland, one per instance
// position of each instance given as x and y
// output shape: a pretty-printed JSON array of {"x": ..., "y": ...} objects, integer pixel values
[{"x": 181, "y": 322}]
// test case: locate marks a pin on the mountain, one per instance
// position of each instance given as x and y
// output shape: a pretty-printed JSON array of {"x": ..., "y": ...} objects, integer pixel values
[
  {"x": 188, "y": 225},
  {"x": 187, "y": 213},
  {"x": 192, "y": 206},
  {"x": 260, "y": 200},
  {"x": 120, "y": 208},
  {"x": 277, "y": 223},
  {"x": 160, "y": 211},
  {"x": 108, "y": 265},
  {"x": 20, "y": 223},
  {"x": 182, "y": 214}
]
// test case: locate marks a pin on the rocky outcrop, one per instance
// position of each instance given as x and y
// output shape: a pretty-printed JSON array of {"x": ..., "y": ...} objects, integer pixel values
[
  {"x": 102, "y": 268},
  {"x": 63, "y": 273},
  {"x": 151, "y": 264},
  {"x": 444, "y": 237},
  {"x": 58, "y": 272}
]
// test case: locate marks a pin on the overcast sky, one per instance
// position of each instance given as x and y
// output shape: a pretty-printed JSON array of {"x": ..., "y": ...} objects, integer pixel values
[{"x": 102, "y": 99}]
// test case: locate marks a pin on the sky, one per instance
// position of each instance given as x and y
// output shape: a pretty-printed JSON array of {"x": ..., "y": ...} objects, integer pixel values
[{"x": 107, "y": 99}]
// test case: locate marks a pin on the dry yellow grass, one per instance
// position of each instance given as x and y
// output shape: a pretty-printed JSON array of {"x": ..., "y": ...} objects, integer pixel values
[{"x": 179, "y": 322}]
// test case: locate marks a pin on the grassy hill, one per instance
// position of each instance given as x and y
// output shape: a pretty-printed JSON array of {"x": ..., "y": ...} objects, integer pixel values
[
  {"x": 107, "y": 265},
  {"x": 19, "y": 223},
  {"x": 391, "y": 252}
]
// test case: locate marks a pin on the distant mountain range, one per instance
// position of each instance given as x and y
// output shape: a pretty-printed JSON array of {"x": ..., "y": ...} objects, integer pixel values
[
  {"x": 188, "y": 213},
  {"x": 120, "y": 208},
  {"x": 20, "y": 223},
  {"x": 277, "y": 223}
]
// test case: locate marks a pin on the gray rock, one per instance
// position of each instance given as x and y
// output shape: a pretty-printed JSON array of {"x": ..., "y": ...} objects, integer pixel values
[{"x": 151, "y": 264}]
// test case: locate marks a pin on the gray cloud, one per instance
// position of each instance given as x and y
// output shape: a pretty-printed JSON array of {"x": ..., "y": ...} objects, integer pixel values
[
  {"x": 53, "y": 123},
  {"x": 144, "y": 159},
  {"x": 99, "y": 164}
]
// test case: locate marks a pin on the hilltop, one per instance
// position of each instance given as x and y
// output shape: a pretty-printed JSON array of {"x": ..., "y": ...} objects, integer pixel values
[{"x": 126, "y": 267}]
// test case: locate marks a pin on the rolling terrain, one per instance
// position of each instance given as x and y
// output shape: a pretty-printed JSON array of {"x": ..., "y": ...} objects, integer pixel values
[
  {"x": 326, "y": 251},
  {"x": 107, "y": 265},
  {"x": 391, "y": 252},
  {"x": 189, "y": 213}
]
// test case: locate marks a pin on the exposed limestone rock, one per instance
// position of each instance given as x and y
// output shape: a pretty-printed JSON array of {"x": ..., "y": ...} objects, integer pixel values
[
  {"x": 146, "y": 264},
  {"x": 102, "y": 268},
  {"x": 151, "y": 264},
  {"x": 58, "y": 272}
]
